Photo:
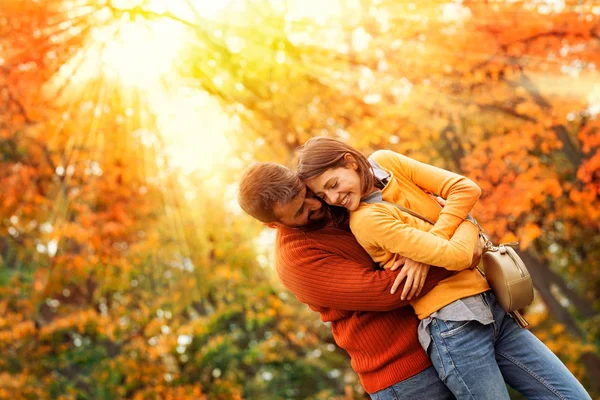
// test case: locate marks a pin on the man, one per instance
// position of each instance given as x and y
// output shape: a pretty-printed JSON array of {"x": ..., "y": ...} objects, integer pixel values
[{"x": 329, "y": 271}]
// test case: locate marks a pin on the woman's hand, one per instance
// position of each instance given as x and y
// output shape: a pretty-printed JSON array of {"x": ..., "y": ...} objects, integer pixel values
[
  {"x": 478, "y": 252},
  {"x": 415, "y": 274},
  {"x": 440, "y": 201}
]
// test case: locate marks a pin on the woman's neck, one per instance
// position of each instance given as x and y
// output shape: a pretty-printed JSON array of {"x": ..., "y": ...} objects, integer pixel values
[{"x": 373, "y": 189}]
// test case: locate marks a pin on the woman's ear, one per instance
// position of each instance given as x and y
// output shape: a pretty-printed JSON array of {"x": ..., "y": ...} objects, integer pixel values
[{"x": 350, "y": 161}]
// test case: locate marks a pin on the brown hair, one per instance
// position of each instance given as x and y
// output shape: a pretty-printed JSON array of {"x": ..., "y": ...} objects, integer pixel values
[
  {"x": 319, "y": 154},
  {"x": 264, "y": 186}
]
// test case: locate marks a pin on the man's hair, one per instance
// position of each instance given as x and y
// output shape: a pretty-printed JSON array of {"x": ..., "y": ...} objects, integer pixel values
[
  {"x": 321, "y": 153},
  {"x": 264, "y": 186}
]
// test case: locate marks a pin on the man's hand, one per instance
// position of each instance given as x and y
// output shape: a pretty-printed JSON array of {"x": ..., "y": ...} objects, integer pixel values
[{"x": 415, "y": 274}]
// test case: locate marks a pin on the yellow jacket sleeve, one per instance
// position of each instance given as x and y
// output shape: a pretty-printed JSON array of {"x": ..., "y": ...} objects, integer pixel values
[
  {"x": 460, "y": 192},
  {"x": 376, "y": 228}
]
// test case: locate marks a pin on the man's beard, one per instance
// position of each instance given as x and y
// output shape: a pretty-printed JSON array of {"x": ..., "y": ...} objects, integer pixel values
[
  {"x": 337, "y": 215},
  {"x": 314, "y": 224}
]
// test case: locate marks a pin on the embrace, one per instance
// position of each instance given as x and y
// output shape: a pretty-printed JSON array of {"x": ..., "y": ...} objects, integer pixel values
[{"x": 341, "y": 237}]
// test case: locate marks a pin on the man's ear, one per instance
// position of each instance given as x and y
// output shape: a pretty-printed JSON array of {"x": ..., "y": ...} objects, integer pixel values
[{"x": 350, "y": 161}]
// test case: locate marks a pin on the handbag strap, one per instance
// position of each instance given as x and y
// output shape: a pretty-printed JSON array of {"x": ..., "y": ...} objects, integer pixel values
[
  {"x": 489, "y": 246},
  {"x": 408, "y": 211}
]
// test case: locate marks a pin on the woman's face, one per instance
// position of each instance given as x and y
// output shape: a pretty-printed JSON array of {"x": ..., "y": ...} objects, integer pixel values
[{"x": 338, "y": 187}]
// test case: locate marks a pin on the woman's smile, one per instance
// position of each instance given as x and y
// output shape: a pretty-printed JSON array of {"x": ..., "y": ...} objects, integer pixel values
[{"x": 344, "y": 200}]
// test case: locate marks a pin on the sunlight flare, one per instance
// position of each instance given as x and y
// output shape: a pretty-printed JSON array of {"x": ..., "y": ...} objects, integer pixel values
[
  {"x": 194, "y": 129},
  {"x": 133, "y": 46}
]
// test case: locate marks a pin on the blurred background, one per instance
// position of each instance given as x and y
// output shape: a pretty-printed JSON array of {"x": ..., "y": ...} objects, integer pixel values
[{"x": 127, "y": 270}]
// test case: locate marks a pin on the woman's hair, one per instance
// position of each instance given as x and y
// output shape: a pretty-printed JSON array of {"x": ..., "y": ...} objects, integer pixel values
[{"x": 319, "y": 154}]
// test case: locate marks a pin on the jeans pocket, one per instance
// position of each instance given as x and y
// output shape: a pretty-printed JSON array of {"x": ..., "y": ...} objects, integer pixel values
[
  {"x": 486, "y": 301},
  {"x": 384, "y": 394},
  {"x": 451, "y": 328}
]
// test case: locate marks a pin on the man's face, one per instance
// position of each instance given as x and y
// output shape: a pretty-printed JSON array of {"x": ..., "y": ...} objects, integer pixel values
[{"x": 301, "y": 210}]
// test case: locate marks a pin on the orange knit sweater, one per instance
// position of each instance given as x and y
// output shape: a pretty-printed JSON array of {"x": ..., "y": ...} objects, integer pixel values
[{"x": 331, "y": 273}]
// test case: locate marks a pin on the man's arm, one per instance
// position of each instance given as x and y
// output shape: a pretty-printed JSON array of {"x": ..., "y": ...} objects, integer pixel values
[{"x": 321, "y": 278}]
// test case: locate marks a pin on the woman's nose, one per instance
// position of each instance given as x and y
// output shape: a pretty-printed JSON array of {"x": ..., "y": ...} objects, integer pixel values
[{"x": 330, "y": 196}]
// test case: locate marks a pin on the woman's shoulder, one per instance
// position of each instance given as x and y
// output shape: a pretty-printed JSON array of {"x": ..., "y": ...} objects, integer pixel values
[
  {"x": 382, "y": 155},
  {"x": 385, "y": 155},
  {"x": 391, "y": 161},
  {"x": 367, "y": 214}
]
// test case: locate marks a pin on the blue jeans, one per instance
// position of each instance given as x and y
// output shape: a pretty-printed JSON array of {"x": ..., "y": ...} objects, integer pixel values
[
  {"x": 475, "y": 360},
  {"x": 424, "y": 386}
]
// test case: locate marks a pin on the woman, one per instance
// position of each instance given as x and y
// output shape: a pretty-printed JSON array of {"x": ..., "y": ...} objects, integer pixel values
[{"x": 473, "y": 344}]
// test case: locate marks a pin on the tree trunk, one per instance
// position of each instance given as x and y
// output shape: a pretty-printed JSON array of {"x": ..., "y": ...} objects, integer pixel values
[
  {"x": 543, "y": 279},
  {"x": 569, "y": 149},
  {"x": 592, "y": 368},
  {"x": 451, "y": 142},
  {"x": 583, "y": 306},
  {"x": 543, "y": 282},
  {"x": 572, "y": 153}
]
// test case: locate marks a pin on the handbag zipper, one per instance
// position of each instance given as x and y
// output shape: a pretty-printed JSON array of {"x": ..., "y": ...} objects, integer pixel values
[
  {"x": 490, "y": 247},
  {"x": 515, "y": 261}
]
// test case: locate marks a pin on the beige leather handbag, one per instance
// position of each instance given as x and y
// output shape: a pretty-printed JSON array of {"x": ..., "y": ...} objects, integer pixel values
[{"x": 508, "y": 277}]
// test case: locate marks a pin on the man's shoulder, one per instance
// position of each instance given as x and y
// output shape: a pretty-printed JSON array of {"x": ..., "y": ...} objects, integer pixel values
[
  {"x": 296, "y": 249},
  {"x": 301, "y": 244},
  {"x": 296, "y": 241},
  {"x": 293, "y": 235},
  {"x": 290, "y": 238},
  {"x": 309, "y": 234}
]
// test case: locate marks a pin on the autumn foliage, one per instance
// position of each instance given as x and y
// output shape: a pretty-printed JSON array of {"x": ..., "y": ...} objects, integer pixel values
[{"x": 124, "y": 275}]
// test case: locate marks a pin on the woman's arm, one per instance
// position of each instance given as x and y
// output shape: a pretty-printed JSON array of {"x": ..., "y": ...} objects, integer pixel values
[
  {"x": 376, "y": 228},
  {"x": 460, "y": 192}
]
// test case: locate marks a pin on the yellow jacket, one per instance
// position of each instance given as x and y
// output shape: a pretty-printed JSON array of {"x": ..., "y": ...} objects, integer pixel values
[{"x": 386, "y": 232}]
